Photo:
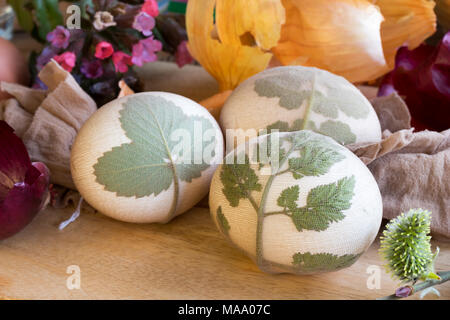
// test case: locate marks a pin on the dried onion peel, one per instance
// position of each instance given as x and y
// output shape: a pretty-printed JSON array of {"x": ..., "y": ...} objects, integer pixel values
[
  {"x": 23, "y": 185},
  {"x": 236, "y": 45}
]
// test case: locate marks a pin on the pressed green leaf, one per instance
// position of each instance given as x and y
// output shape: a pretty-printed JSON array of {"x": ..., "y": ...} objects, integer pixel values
[
  {"x": 238, "y": 180},
  {"x": 223, "y": 222},
  {"x": 339, "y": 131},
  {"x": 283, "y": 126},
  {"x": 287, "y": 87},
  {"x": 288, "y": 198},
  {"x": 331, "y": 93},
  {"x": 147, "y": 166},
  {"x": 325, "y": 204},
  {"x": 314, "y": 160},
  {"x": 350, "y": 103},
  {"x": 327, "y": 110},
  {"x": 322, "y": 262}
]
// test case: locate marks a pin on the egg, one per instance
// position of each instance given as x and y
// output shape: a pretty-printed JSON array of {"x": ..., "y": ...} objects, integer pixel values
[
  {"x": 13, "y": 67},
  {"x": 296, "y": 202},
  {"x": 146, "y": 157},
  {"x": 299, "y": 98}
]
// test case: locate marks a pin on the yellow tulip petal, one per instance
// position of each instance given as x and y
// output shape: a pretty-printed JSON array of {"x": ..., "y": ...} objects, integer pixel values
[
  {"x": 443, "y": 13},
  {"x": 341, "y": 36},
  {"x": 230, "y": 50},
  {"x": 407, "y": 22}
]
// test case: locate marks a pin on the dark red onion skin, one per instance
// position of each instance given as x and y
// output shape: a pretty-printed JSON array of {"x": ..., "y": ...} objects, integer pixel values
[
  {"x": 422, "y": 77},
  {"x": 24, "y": 201}
]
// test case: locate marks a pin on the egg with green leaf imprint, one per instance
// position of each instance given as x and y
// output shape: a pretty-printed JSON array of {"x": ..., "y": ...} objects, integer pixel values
[
  {"x": 296, "y": 202},
  {"x": 300, "y": 98},
  {"x": 146, "y": 157}
]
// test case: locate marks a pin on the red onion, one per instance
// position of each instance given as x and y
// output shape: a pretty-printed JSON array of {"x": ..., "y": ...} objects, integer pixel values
[
  {"x": 422, "y": 77},
  {"x": 23, "y": 185}
]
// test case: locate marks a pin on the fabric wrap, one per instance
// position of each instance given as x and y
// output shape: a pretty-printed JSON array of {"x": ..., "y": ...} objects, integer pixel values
[
  {"x": 412, "y": 168},
  {"x": 48, "y": 121}
]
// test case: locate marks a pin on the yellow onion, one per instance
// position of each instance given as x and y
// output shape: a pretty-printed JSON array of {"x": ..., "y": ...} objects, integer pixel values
[
  {"x": 407, "y": 22},
  {"x": 341, "y": 36},
  {"x": 356, "y": 39},
  {"x": 236, "y": 45}
]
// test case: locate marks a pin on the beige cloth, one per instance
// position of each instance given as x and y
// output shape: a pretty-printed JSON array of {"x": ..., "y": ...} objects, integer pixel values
[
  {"x": 412, "y": 169},
  {"x": 48, "y": 121}
]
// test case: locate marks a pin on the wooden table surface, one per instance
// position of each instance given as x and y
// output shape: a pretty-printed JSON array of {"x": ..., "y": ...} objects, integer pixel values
[{"x": 185, "y": 259}]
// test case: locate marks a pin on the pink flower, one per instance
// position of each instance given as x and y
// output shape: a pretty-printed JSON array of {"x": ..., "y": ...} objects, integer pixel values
[
  {"x": 103, "y": 50},
  {"x": 59, "y": 37},
  {"x": 182, "y": 56},
  {"x": 150, "y": 7},
  {"x": 66, "y": 60},
  {"x": 144, "y": 51},
  {"x": 144, "y": 23},
  {"x": 121, "y": 61},
  {"x": 92, "y": 69}
]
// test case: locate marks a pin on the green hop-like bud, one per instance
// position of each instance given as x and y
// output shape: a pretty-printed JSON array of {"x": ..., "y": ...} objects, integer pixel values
[{"x": 405, "y": 245}]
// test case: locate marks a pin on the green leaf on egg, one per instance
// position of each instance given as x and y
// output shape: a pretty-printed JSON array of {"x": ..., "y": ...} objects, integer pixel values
[
  {"x": 289, "y": 197},
  {"x": 283, "y": 126},
  {"x": 148, "y": 165},
  {"x": 314, "y": 160},
  {"x": 239, "y": 180},
  {"x": 339, "y": 131},
  {"x": 222, "y": 221},
  {"x": 320, "y": 92},
  {"x": 322, "y": 262},
  {"x": 291, "y": 88},
  {"x": 325, "y": 204}
]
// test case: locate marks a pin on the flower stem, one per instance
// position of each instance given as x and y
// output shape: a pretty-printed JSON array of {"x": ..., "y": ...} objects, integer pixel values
[
  {"x": 252, "y": 201},
  {"x": 259, "y": 226},
  {"x": 286, "y": 213},
  {"x": 260, "y": 219},
  {"x": 445, "y": 276}
]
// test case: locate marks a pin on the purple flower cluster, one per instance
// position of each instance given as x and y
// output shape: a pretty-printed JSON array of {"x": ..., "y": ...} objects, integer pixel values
[{"x": 103, "y": 51}]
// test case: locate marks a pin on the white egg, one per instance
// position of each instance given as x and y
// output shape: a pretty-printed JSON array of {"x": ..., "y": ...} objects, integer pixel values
[
  {"x": 299, "y": 98},
  {"x": 312, "y": 206},
  {"x": 146, "y": 157}
]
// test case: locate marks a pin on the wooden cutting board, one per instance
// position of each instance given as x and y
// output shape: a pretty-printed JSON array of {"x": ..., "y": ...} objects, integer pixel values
[{"x": 186, "y": 259}]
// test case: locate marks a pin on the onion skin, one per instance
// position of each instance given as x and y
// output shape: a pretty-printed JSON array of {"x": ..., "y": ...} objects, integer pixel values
[
  {"x": 422, "y": 77},
  {"x": 23, "y": 185}
]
